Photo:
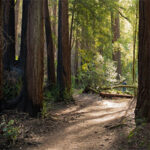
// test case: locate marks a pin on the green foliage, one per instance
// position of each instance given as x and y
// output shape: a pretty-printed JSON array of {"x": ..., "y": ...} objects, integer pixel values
[
  {"x": 50, "y": 96},
  {"x": 95, "y": 71},
  {"x": 131, "y": 134},
  {"x": 46, "y": 107},
  {"x": 92, "y": 29},
  {"x": 9, "y": 131},
  {"x": 67, "y": 96},
  {"x": 16, "y": 58},
  {"x": 12, "y": 85}
]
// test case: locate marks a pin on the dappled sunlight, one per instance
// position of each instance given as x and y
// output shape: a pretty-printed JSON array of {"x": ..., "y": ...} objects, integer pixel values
[
  {"x": 71, "y": 73},
  {"x": 89, "y": 125},
  {"x": 113, "y": 104},
  {"x": 105, "y": 118},
  {"x": 86, "y": 121}
]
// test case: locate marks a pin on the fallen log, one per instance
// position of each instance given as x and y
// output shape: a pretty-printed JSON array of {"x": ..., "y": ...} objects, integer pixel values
[
  {"x": 105, "y": 95},
  {"x": 108, "y": 95},
  {"x": 120, "y": 86}
]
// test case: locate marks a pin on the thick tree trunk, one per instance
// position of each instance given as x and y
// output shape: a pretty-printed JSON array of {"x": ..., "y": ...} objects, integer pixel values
[
  {"x": 143, "y": 100},
  {"x": 115, "y": 22},
  {"x": 1, "y": 50},
  {"x": 9, "y": 33},
  {"x": 32, "y": 92},
  {"x": 64, "y": 51},
  {"x": 50, "y": 48},
  {"x": 35, "y": 51}
]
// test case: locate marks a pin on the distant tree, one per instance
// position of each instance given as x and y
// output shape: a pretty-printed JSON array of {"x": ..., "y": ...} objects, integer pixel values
[
  {"x": 54, "y": 24},
  {"x": 143, "y": 99},
  {"x": 50, "y": 48},
  {"x": 76, "y": 58},
  {"x": 23, "y": 48},
  {"x": 17, "y": 10},
  {"x": 32, "y": 94},
  {"x": 9, "y": 33},
  {"x": 64, "y": 51},
  {"x": 115, "y": 23}
]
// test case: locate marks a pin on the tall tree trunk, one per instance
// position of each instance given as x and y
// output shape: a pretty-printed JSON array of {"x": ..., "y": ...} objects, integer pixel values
[
  {"x": 17, "y": 7},
  {"x": 54, "y": 26},
  {"x": 1, "y": 50},
  {"x": 76, "y": 61},
  {"x": 135, "y": 28},
  {"x": 64, "y": 51},
  {"x": 143, "y": 100},
  {"x": 23, "y": 48},
  {"x": 9, "y": 33},
  {"x": 72, "y": 22},
  {"x": 33, "y": 35},
  {"x": 50, "y": 48},
  {"x": 115, "y": 22},
  {"x": 134, "y": 44}
]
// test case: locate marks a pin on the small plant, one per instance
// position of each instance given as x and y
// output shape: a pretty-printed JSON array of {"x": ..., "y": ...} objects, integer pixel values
[
  {"x": 12, "y": 85},
  {"x": 45, "y": 108},
  {"x": 67, "y": 96},
  {"x": 49, "y": 98},
  {"x": 131, "y": 134},
  {"x": 9, "y": 131}
]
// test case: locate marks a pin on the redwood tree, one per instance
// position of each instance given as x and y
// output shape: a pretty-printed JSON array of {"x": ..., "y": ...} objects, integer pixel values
[
  {"x": 64, "y": 51},
  {"x": 115, "y": 22},
  {"x": 9, "y": 33},
  {"x": 143, "y": 100},
  {"x": 54, "y": 25},
  {"x": 32, "y": 96},
  {"x": 1, "y": 49},
  {"x": 50, "y": 48}
]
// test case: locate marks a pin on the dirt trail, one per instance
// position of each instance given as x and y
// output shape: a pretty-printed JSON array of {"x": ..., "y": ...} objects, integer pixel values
[{"x": 86, "y": 126}]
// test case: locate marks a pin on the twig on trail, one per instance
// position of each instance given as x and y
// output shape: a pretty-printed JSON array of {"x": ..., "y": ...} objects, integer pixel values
[
  {"x": 110, "y": 127},
  {"x": 126, "y": 112}
]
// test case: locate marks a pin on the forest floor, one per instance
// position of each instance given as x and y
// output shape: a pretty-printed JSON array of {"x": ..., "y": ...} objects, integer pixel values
[{"x": 91, "y": 123}]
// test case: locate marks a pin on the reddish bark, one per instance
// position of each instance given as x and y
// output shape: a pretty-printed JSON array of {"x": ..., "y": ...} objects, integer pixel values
[
  {"x": 31, "y": 97},
  {"x": 35, "y": 49},
  {"x": 50, "y": 48},
  {"x": 143, "y": 100},
  {"x": 1, "y": 49},
  {"x": 64, "y": 51}
]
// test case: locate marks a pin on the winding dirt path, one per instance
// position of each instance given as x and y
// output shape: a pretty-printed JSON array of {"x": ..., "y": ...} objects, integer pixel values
[{"x": 87, "y": 125}]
